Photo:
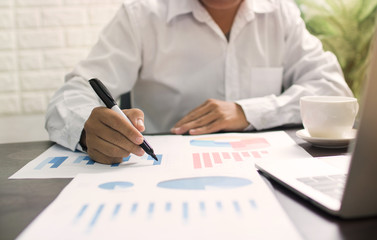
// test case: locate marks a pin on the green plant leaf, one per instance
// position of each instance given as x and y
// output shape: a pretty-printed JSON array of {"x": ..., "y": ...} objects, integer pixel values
[{"x": 345, "y": 28}]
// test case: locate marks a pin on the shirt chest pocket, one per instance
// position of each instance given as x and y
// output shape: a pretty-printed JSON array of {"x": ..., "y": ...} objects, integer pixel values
[{"x": 264, "y": 81}]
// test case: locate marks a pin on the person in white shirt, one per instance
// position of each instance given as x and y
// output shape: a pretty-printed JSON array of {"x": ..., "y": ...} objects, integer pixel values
[{"x": 196, "y": 66}]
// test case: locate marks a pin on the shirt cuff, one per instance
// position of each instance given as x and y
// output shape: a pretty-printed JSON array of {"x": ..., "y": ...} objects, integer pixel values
[
  {"x": 249, "y": 128},
  {"x": 80, "y": 148},
  {"x": 265, "y": 112}
]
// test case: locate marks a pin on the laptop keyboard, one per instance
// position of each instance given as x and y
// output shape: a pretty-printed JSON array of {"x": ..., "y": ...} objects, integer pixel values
[{"x": 331, "y": 185}]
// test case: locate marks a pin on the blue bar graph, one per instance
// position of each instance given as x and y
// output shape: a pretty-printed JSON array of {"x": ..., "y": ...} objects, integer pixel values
[
  {"x": 134, "y": 208},
  {"x": 168, "y": 207},
  {"x": 81, "y": 212},
  {"x": 84, "y": 158},
  {"x": 237, "y": 207},
  {"x": 219, "y": 205},
  {"x": 96, "y": 215},
  {"x": 56, "y": 162},
  {"x": 159, "y": 157},
  {"x": 185, "y": 211},
  {"x": 116, "y": 209},
  {"x": 90, "y": 215},
  {"x": 150, "y": 209},
  {"x": 253, "y": 204},
  {"x": 202, "y": 207},
  {"x": 125, "y": 159}
]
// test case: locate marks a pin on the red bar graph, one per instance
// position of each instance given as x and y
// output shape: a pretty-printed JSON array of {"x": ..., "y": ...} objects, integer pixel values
[
  {"x": 207, "y": 160},
  {"x": 211, "y": 159},
  {"x": 256, "y": 154},
  {"x": 226, "y": 155},
  {"x": 237, "y": 156},
  {"x": 245, "y": 154},
  {"x": 216, "y": 157},
  {"x": 196, "y": 159}
]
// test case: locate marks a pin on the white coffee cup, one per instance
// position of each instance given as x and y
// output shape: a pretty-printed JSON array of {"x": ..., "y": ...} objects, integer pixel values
[{"x": 328, "y": 116}]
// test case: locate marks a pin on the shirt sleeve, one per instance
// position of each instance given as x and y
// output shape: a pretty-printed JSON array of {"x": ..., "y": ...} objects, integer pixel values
[
  {"x": 115, "y": 60},
  {"x": 68, "y": 110},
  {"x": 307, "y": 70}
]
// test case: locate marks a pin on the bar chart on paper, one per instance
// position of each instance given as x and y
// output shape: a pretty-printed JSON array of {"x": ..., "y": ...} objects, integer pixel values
[
  {"x": 171, "y": 203},
  {"x": 228, "y": 148},
  {"x": 89, "y": 216},
  {"x": 58, "y": 162},
  {"x": 168, "y": 206},
  {"x": 115, "y": 207},
  {"x": 174, "y": 152}
]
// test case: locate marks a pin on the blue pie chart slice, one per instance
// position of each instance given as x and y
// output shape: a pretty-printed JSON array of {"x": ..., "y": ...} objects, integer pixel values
[
  {"x": 116, "y": 185},
  {"x": 205, "y": 183}
]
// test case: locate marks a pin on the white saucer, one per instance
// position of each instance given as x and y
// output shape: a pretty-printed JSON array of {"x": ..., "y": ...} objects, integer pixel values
[{"x": 327, "y": 142}]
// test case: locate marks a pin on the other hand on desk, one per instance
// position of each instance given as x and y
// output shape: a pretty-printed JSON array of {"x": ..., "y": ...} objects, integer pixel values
[{"x": 212, "y": 116}]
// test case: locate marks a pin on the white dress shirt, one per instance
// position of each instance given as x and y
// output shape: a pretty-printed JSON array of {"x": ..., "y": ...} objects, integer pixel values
[{"x": 172, "y": 56}]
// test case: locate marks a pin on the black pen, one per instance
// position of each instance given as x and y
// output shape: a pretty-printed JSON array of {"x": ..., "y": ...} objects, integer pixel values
[{"x": 109, "y": 101}]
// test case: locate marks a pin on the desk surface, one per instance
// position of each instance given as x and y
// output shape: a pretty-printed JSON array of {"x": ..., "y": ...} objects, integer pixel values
[{"x": 22, "y": 200}]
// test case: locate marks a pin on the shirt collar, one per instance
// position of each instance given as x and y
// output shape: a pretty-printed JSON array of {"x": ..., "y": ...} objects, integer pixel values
[
  {"x": 179, "y": 7},
  {"x": 248, "y": 8}
]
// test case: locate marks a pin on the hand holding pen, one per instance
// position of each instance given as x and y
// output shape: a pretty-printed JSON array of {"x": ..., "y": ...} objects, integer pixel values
[{"x": 109, "y": 136}]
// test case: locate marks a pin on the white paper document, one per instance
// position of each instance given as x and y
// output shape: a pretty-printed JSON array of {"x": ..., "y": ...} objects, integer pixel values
[
  {"x": 152, "y": 203},
  {"x": 214, "y": 151}
]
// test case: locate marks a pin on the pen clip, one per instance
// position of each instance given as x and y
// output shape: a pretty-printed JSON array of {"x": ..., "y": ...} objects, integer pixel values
[{"x": 102, "y": 92}]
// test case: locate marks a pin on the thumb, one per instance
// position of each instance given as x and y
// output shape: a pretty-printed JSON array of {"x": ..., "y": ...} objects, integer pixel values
[{"x": 136, "y": 116}]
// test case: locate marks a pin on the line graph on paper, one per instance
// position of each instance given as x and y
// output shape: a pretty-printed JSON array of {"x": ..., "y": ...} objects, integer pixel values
[{"x": 228, "y": 149}]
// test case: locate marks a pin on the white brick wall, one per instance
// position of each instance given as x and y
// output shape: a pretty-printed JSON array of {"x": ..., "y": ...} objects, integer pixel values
[{"x": 40, "y": 41}]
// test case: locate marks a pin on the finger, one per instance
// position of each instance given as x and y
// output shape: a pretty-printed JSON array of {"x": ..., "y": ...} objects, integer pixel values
[
  {"x": 119, "y": 123},
  {"x": 200, "y": 122},
  {"x": 136, "y": 116},
  {"x": 100, "y": 126},
  {"x": 102, "y": 158},
  {"x": 194, "y": 114},
  {"x": 214, "y": 126},
  {"x": 113, "y": 144},
  {"x": 203, "y": 109}
]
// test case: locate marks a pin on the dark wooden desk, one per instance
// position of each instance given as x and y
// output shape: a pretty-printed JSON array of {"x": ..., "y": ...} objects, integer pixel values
[{"x": 22, "y": 200}]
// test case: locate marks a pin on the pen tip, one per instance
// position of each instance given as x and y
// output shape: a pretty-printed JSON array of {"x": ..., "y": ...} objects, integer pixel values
[{"x": 155, "y": 157}]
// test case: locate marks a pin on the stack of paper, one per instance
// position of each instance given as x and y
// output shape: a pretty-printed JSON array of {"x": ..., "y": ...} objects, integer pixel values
[{"x": 202, "y": 187}]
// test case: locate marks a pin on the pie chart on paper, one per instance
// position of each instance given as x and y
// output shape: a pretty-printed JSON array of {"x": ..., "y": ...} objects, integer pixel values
[
  {"x": 205, "y": 183},
  {"x": 235, "y": 142},
  {"x": 116, "y": 185}
]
